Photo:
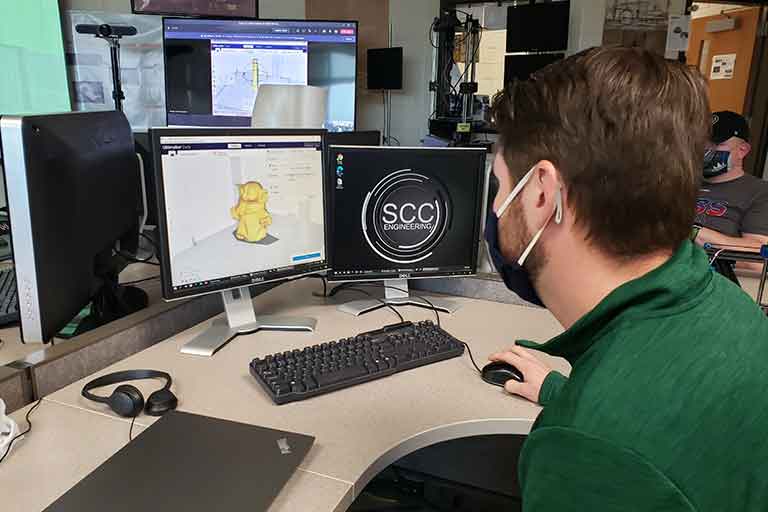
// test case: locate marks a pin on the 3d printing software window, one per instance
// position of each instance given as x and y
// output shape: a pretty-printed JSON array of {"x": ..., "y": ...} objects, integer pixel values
[{"x": 237, "y": 207}]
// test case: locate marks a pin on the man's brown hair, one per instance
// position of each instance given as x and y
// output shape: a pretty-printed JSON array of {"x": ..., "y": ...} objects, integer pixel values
[{"x": 627, "y": 131}]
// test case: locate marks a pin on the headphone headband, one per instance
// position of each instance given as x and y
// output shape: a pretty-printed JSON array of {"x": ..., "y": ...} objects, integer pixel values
[{"x": 123, "y": 376}]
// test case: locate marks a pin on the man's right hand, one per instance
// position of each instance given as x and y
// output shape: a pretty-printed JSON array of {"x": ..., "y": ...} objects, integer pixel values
[{"x": 533, "y": 370}]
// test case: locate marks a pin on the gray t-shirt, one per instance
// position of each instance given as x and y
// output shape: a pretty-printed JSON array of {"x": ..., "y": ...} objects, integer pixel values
[{"x": 734, "y": 207}]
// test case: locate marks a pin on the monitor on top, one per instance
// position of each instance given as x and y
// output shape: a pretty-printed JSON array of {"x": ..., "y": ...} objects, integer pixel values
[
  {"x": 215, "y": 68},
  {"x": 403, "y": 213}
]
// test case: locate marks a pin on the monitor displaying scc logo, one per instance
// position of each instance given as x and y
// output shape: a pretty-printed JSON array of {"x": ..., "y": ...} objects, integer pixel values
[{"x": 406, "y": 216}]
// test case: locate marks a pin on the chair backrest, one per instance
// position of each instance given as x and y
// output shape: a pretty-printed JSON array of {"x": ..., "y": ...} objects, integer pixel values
[{"x": 290, "y": 106}]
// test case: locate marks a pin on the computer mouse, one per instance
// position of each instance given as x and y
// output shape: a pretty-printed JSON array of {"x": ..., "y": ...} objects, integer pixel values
[{"x": 499, "y": 372}]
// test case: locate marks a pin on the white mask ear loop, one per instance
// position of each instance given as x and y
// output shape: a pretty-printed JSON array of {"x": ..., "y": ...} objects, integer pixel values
[
  {"x": 515, "y": 191},
  {"x": 557, "y": 213}
]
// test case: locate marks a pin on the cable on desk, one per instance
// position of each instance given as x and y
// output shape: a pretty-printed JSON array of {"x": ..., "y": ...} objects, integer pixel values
[
  {"x": 21, "y": 434},
  {"x": 130, "y": 432},
  {"x": 151, "y": 242},
  {"x": 341, "y": 287},
  {"x": 401, "y": 290},
  {"x": 355, "y": 289},
  {"x": 130, "y": 283},
  {"x": 133, "y": 259},
  {"x": 437, "y": 316},
  {"x": 325, "y": 284}
]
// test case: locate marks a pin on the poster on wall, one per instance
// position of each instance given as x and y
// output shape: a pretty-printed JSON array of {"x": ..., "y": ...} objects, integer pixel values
[
  {"x": 141, "y": 67},
  {"x": 723, "y": 66}
]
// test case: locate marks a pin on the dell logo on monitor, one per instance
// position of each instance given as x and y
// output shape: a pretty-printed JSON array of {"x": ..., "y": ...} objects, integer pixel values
[{"x": 405, "y": 216}]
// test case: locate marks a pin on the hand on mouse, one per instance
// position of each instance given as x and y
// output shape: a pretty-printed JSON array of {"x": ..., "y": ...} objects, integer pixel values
[{"x": 533, "y": 370}]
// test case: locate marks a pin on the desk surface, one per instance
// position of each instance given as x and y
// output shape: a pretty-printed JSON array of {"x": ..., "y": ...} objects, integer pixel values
[{"x": 359, "y": 431}]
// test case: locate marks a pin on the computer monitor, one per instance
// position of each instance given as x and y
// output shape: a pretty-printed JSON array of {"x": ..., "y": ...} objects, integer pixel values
[
  {"x": 238, "y": 207},
  {"x": 214, "y": 68},
  {"x": 526, "y": 22},
  {"x": 73, "y": 195},
  {"x": 403, "y": 213}
]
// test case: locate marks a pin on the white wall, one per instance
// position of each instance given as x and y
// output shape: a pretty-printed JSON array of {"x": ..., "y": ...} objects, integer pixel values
[
  {"x": 288, "y": 9},
  {"x": 412, "y": 106},
  {"x": 586, "y": 25}
]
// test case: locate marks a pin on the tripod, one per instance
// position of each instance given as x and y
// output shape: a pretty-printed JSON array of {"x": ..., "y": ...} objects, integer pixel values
[{"x": 112, "y": 35}]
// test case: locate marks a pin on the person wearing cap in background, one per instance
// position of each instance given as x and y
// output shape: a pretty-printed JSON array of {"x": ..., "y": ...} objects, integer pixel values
[{"x": 732, "y": 209}]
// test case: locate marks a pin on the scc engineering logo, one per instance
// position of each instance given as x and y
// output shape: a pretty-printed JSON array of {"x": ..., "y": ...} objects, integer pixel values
[{"x": 405, "y": 216}]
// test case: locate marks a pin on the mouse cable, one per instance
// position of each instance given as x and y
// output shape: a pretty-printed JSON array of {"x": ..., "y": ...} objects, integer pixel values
[{"x": 21, "y": 434}]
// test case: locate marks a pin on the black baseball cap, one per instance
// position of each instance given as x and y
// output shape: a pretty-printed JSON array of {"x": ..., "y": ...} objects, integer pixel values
[{"x": 727, "y": 124}]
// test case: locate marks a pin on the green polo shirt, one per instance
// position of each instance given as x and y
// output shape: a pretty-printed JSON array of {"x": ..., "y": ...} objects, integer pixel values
[{"x": 665, "y": 408}]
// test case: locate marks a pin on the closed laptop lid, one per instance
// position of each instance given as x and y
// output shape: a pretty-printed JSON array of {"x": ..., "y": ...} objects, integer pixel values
[{"x": 191, "y": 463}]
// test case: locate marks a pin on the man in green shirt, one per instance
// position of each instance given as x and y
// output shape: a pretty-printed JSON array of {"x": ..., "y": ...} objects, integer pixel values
[{"x": 599, "y": 163}]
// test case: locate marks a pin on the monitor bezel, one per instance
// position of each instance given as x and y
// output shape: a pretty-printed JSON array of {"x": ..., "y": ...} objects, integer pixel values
[
  {"x": 357, "y": 57},
  {"x": 330, "y": 192},
  {"x": 169, "y": 294},
  {"x": 196, "y": 16}
]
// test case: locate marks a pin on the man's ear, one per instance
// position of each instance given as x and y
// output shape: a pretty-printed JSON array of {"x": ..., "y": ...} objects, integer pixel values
[
  {"x": 549, "y": 191},
  {"x": 745, "y": 148}
]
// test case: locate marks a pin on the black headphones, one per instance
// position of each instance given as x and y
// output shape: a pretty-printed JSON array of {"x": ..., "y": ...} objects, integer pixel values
[{"x": 127, "y": 400}]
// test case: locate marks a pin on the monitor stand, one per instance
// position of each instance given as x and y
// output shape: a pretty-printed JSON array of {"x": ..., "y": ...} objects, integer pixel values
[
  {"x": 396, "y": 294},
  {"x": 241, "y": 319}
]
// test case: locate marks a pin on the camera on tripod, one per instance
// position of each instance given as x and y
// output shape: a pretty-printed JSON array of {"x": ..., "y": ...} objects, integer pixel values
[
  {"x": 111, "y": 34},
  {"x": 106, "y": 31}
]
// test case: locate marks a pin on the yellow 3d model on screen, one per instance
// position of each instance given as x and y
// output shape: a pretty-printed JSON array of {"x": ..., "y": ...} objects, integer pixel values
[{"x": 251, "y": 213}]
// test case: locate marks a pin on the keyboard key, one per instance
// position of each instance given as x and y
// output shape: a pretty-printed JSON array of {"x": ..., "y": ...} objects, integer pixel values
[{"x": 344, "y": 374}]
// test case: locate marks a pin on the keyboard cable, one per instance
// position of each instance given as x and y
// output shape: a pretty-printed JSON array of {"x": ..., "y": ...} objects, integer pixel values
[{"x": 434, "y": 310}]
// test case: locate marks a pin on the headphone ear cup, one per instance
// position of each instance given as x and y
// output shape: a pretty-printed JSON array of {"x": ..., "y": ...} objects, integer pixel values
[
  {"x": 160, "y": 402},
  {"x": 126, "y": 401}
]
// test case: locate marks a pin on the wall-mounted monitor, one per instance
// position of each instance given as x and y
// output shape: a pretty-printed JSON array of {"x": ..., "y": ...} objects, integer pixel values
[{"x": 215, "y": 68}]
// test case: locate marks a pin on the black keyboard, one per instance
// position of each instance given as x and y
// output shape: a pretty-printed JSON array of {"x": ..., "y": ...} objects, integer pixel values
[
  {"x": 301, "y": 374},
  {"x": 9, "y": 298}
]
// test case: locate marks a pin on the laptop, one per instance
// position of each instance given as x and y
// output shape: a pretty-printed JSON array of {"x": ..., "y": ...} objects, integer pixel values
[{"x": 191, "y": 463}]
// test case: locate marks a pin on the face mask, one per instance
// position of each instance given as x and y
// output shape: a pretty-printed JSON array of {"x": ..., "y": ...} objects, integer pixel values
[
  {"x": 515, "y": 276},
  {"x": 716, "y": 163}
]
